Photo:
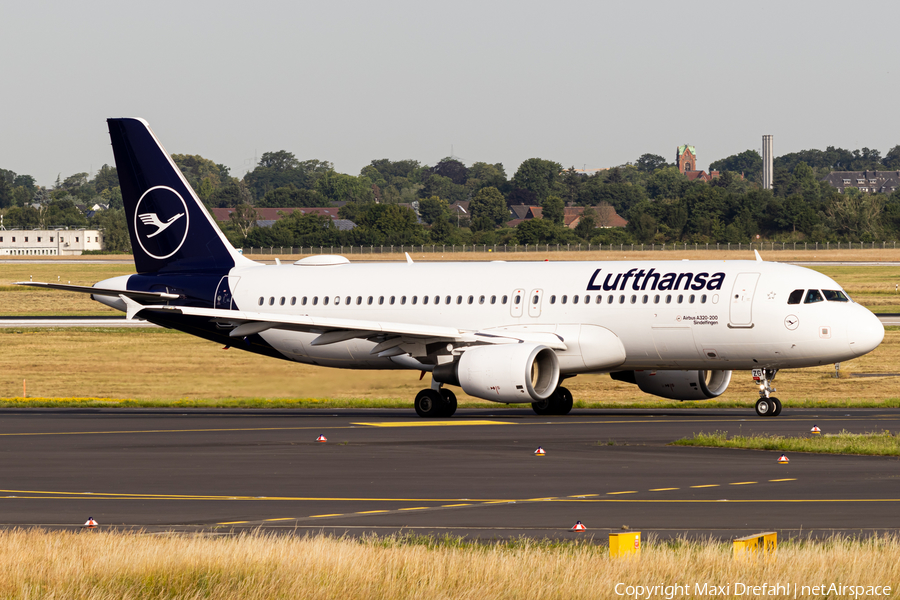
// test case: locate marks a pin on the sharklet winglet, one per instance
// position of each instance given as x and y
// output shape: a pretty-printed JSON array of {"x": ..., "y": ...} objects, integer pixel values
[{"x": 758, "y": 257}]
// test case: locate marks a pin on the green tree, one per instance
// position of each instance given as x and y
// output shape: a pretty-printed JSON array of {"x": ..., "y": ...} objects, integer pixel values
[
  {"x": 114, "y": 226},
  {"x": 891, "y": 160},
  {"x": 433, "y": 208},
  {"x": 482, "y": 174},
  {"x": 244, "y": 218},
  {"x": 291, "y": 197},
  {"x": 489, "y": 207},
  {"x": 6, "y": 193},
  {"x": 667, "y": 183},
  {"x": 441, "y": 230},
  {"x": 554, "y": 210},
  {"x": 538, "y": 176},
  {"x": 649, "y": 163},
  {"x": 338, "y": 187},
  {"x": 748, "y": 162},
  {"x": 452, "y": 169},
  {"x": 586, "y": 224},
  {"x": 541, "y": 231}
]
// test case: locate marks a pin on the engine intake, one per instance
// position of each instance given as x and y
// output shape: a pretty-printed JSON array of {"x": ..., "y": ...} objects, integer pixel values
[
  {"x": 678, "y": 385},
  {"x": 504, "y": 373}
]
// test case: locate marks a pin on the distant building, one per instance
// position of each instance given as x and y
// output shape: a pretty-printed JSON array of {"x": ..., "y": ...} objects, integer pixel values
[
  {"x": 605, "y": 216},
  {"x": 268, "y": 216},
  {"x": 872, "y": 182},
  {"x": 49, "y": 242},
  {"x": 686, "y": 159}
]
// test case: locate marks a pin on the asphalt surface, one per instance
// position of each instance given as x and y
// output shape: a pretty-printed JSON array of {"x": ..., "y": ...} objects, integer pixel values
[{"x": 476, "y": 475}]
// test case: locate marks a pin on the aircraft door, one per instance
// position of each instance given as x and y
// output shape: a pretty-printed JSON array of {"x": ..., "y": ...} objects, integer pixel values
[
  {"x": 224, "y": 293},
  {"x": 517, "y": 303},
  {"x": 534, "y": 303},
  {"x": 740, "y": 312}
]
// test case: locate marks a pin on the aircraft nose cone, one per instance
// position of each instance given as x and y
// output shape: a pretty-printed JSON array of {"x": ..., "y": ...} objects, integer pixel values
[{"x": 866, "y": 333}]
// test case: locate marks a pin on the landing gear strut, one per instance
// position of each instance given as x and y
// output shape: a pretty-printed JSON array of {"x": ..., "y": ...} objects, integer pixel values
[
  {"x": 558, "y": 403},
  {"x": 435, "y": 403},
  {"x": 767, "y": 405}
]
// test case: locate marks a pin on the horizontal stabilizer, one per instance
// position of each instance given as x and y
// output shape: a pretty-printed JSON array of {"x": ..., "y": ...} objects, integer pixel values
[{"x": 85, "y": 289}]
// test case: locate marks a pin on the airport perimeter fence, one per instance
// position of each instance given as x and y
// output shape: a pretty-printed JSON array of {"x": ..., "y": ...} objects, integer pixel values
[{"x": 500, "y": 248}]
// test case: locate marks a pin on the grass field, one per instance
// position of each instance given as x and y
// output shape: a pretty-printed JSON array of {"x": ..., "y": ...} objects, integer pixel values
[
  {"x": 151, "y": 366},
  {"x": 103, "y": 565},
  {"x": 843, "y": 442}
]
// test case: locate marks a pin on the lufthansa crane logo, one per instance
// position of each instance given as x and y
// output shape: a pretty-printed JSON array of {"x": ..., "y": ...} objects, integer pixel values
[{"x": 161, "y": 222}]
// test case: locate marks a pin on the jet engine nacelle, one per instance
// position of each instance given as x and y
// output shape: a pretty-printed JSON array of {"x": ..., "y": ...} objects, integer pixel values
[
  {"x": 504, "y": 373},
  {"x": 678, "y": 385}
]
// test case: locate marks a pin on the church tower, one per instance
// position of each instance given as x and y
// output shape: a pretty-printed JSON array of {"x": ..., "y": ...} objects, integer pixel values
[{"x": 687, "y": 158}]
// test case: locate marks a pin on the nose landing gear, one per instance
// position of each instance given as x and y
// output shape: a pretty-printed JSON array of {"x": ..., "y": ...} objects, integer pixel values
[{"x": 767, "y": 405}]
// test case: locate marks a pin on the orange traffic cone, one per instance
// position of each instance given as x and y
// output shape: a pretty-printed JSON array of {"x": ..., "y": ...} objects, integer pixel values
[
  {"x": 90, "y": 523},
  {"x": 321, "y": 438},
  {"x": 815, "y": 430},
  {"x": 783, "y": 459},
  {"x": 578, "y": 526},
  {"x": 540, "y": 452}
]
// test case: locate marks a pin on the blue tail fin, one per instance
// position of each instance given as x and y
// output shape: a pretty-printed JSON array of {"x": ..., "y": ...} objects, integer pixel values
[{"x": 171, "y": 230}]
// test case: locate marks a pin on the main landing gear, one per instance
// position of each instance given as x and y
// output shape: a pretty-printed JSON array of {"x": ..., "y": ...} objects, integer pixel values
[
  {"x": 558, "y": 403},
  {"x": 767, "y": 405},
  {"x": 435, "y": 403}
]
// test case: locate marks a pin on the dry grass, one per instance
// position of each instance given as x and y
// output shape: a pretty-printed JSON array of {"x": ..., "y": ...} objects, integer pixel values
[
  {"x": 100, "y": 565},
  {"x": 843, "y": 442},
  {"x": 162, "y": 365}
]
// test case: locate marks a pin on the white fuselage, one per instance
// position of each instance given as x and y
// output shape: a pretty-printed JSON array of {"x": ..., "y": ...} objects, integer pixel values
[{"x": 742, "y": 321}]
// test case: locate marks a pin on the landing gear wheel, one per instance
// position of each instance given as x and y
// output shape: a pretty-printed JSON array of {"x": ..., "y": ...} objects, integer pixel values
[
  {"x": 449, "y": 401},
  {"x": 430, "y": 404},
  {"x": 565, "y": 401},
  {"x": 776, "y": 410},
  {"x": 763, "y": 407},
  {"x": 544, "y": 407}
]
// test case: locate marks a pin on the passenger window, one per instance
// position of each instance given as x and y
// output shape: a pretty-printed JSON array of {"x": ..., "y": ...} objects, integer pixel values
[
  {"x": 261, "y": 300},
  {"x": 325, "y": 300},
  {"x": 587, "y": 299},
  {"x": 303, "y": 301},
  {"x": 281, "y": 302},
  {"x": 599, "y": 299},
  {"x": 347, "y": 300},
  {"x": 459, "y": 299},
  {"x": 795, "y": 297},
  {"x": 481, "y": 300},
  {"x": 315, "y": 300},
  {"x": 447, "y": 300},
  {"x": 518, "y": 299},
  {"x": 471, "y": 299},
  {"x": 813, "y": 296},
  {"x": 835, "y": 296},
  {"x": 493, "y": 299},
  {"x": 359, "y": 300},
  {"x": 633, "y": 298},
  {"x": 293, "y": 300},
  {"x": 380, "y": 299},
  {"x": 680, "y": 298},
  {"x": 668, "y": 298},
  {"x": 369, "y": 300},
  {"x": 402, "y": 299},
  {"x": 552, "y": 299},
  {"x": 574, "y": 299},
  {"x": 424, "y": 300},
  {"x": 691, "y": 298},
  {"x": 645, "y": 298},
  {"x": 271, "y": 300},
  {"x": 565, "y": 299},
  {"x": 437, "y": 299},
  {"x": 503, "y": 301},
  {"x": 622, "y": 299},
  {"x": 414, "y": 299},
  {"x": 392, "y": 299},
  {"x": 656, "y": 299}
]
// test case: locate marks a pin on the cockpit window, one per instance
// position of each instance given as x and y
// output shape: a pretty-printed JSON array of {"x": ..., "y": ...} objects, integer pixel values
[
  {"x": 813, "y": 296},
  {"x": 835, "y": 296},
  {"x": 795, "y": 297}
]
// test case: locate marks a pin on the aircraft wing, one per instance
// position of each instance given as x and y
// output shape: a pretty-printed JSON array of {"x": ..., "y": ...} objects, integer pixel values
[
  {"x": 392, "y": 335},
  {"x": 86, "y": 289}
]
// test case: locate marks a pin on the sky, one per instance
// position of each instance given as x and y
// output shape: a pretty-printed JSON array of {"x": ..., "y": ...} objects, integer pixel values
[{"x": 584, "y": 83}]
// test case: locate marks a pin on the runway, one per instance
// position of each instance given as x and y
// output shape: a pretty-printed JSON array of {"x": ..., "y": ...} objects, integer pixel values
[{"x": 384, "y": 471}]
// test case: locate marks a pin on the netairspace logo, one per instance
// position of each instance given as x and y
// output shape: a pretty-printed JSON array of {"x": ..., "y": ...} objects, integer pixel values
[{"x": 737, "y": 589}]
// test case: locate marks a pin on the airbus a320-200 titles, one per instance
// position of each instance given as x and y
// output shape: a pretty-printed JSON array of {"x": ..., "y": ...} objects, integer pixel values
[{"x": 506, "y": 332}]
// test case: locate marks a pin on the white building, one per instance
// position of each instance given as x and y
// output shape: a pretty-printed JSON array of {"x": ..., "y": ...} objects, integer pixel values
[{"x": 49, "y": 242}]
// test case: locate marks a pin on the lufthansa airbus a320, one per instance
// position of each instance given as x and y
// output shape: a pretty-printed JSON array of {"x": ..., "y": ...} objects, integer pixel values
[{"x": 506, "y": 332}]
